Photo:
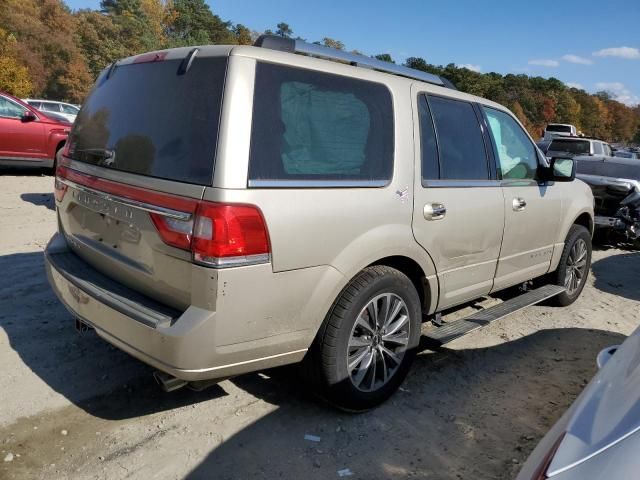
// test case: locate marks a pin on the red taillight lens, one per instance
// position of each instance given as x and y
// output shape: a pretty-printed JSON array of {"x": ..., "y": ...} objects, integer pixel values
[
  {"x": 223, "y": 231},
  {"x": 218, "y": 234}
]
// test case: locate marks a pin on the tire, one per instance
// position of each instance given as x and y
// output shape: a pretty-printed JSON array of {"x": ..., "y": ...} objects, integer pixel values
[
  {"x": 577, "y": 239},
  {"x": 52, "y": 171},
  {"x": 348, "y": 337}
]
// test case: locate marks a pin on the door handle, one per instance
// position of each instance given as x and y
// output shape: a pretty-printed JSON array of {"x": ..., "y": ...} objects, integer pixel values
[
  {"x": 519, "y": 204},
  {"x": 434, "y": 211}
]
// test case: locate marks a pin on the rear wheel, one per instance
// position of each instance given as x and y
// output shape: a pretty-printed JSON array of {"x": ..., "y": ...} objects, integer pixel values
[
  {"x": 574, "y": 266},
  {"x": 368, "y": 340}
]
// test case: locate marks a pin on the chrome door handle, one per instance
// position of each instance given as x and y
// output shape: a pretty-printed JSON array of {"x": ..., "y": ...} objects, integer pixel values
[
  {"x": 434, "y": 211},
  {"x": 519, "y": 204}
]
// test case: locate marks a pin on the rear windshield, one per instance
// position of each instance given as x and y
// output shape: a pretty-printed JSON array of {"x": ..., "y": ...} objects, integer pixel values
[
  {"x": 315, "y": 126},
  {"x": 559, "y": 128},
  {"x": 575, "y": 147},
  {"x": 150, "y": 119}
]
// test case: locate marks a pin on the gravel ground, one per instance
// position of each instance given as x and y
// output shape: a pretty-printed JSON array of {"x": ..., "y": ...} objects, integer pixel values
[{"x": 74, "y": 407}]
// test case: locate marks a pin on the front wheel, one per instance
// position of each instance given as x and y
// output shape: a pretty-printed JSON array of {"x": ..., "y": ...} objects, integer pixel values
[
  {"x": 368, "y": 340},
  {"x": 574, "y": 266}
]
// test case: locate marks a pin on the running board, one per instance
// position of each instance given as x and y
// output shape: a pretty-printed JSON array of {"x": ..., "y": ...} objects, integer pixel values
[{"x": 458, "y": 328}]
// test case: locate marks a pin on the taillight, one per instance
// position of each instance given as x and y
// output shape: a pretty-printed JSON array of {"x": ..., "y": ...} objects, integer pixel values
[
  {"x": 218, "y": 234},
  {"x": 540, "y": 473},
  {"x": 229, "y": 234}
]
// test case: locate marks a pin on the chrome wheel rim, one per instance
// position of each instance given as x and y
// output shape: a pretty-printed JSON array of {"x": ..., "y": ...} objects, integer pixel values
[
  {"x": 378, "y": 342},
  {"x": 576, "y": 266}
]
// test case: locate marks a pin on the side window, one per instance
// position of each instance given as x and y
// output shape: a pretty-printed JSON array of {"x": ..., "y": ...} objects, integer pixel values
[
  {"x": 516, "y": 153},
  {"x": 428, "y": 145},
  {"x": 10, "y": 109},
  {"x": 597, "y": 148},
  {"x": 69, "y": 109},
  {"x": 460, "y": 144},
  {"x": 314, "y": 126},
  {"x": 50, "y": 107},
  {"x": 607, "y": 150}
]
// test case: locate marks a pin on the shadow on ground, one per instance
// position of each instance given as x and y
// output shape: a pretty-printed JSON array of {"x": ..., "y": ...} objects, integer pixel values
[
  {"x": 455, "y": 404},
  {"x": 90, "y": 373},
  {"x": 40, "y": 199},
  {"x": 618, "y": 275}
]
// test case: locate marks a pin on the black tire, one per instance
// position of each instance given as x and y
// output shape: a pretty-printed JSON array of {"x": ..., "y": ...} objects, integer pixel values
[
  {"x": 577, "y": 233},
  {"x": 327, "y": 361},
  {"x": 52, "y": 171}
]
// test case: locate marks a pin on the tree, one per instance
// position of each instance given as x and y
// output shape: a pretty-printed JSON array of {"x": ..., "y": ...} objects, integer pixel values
[
  {"x": 97, "y": 37},
  {"x": 417, "y": 63},
  {"x": 193, "y": 23},
  {"x": 284, "y": 30},
  {"x": 243, "y": 35},
  {"x": 14, "y": 77},
  {"x": 332, "y": 43},
  {"x": 385, "y": 57}
]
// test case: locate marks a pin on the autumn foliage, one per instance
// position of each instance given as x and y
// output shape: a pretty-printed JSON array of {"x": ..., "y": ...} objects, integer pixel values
[{"x": 46, "y": 50}]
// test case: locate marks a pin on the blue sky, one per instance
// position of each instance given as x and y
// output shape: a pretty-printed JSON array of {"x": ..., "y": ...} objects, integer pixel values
[{"x": 591, "y": 44}]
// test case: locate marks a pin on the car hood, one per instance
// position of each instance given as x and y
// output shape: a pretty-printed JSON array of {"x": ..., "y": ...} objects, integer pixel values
[{"x": 606, "y": 412}]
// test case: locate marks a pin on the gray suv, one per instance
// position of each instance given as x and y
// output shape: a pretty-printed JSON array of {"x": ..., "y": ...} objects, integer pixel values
[{"x": 224, "y": 209}]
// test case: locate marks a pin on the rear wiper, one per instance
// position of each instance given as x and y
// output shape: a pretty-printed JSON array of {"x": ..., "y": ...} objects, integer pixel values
[{"x": 107, "y": 157}]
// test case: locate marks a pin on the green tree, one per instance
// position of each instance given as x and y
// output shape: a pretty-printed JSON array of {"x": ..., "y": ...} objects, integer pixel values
[
  {"x": 191, "y": 22},
  {"x": 14, "y": 77},
  {"x": 284, "y": 30},
  {"x": 385, "y": 57},
  {"x": 332, "y": 43},
  {"x": 243, "y": 35}
]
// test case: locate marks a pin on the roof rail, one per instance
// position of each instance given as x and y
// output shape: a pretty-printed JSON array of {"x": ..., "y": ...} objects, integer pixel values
[{"x": 291, "y": 45}]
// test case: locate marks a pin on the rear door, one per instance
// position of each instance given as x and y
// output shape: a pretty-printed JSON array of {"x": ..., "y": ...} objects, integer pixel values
[
  {"x": 145, "y": 140},
  {"x": 459, "y": 208},
  {"x": 19, "y": 139},
  {"x": 532, "y": 209}
]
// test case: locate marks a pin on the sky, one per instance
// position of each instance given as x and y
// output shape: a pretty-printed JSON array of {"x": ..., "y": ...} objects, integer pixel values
[{"x": 589, "y": 44}]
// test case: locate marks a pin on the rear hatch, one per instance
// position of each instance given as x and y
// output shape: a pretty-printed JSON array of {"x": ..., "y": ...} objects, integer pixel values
[{"x": 140, "y": 154}]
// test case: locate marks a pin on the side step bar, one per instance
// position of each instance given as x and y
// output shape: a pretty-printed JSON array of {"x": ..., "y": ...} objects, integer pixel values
[{"x": 456, "y": 329}]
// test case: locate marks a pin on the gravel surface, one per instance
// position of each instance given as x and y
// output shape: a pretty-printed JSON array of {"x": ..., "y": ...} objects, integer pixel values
[{"x": 74, "y": 407}]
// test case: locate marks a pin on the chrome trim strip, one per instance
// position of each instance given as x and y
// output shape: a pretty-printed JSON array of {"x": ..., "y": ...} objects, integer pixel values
[
  {"x": 227, "y": 262},
  {"x": 318, "y": 183},
  {"x": 147, "y": 207},
  {"x": 460, "y": 183}
]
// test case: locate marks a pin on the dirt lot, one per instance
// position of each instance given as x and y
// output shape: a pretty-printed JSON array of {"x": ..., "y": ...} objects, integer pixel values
[{"x": 73, "y": 407}]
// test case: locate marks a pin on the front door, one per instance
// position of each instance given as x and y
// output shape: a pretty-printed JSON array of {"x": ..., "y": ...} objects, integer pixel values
[
  {"x": 532, "y": 209},
  {"x": 19, "y": 139},
  {"x": 458, "y": 207}
]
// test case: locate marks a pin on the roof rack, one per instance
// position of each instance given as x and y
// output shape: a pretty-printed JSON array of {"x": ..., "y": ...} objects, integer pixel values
[{"x": 291, "y": 45}]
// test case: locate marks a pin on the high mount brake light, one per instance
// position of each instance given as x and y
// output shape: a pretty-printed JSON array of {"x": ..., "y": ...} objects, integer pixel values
[{"x": 217, "y": 234}]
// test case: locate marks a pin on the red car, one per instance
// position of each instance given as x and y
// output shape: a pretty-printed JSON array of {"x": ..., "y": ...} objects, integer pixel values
[{"x": 28, "y": 137}]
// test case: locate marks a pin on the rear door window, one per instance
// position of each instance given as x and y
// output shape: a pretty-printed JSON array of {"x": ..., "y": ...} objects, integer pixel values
[
  {"x": 461, "y": 148},
  {"x": 597, "y": 148},
  {"x": 152, "y": 119},
  {"x": 315, "y": 126}
]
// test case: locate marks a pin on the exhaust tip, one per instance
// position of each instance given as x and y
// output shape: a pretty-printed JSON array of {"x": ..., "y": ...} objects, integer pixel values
[{"x": 167, "y": 382}]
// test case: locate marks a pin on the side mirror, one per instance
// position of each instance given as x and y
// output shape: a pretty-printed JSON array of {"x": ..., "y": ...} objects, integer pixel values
[
  {"x": 560, "y": 170},
  {"x": 28, "y": 116}
]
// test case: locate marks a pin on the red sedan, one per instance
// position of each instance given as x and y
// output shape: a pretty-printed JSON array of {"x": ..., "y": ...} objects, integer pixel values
[{"x": 28, "y": 137}]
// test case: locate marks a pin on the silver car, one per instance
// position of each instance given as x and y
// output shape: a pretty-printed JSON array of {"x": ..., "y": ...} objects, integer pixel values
[{"x": 599, "y": 436}]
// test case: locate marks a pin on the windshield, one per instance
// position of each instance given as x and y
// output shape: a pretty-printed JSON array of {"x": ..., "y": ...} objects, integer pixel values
[
  {"x": 149, "y": 119},
  {"x": 575, "y": 147},
  {"x": 559, "y": 128}
]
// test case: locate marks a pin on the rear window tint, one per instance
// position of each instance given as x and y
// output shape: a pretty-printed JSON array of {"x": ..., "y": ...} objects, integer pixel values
[
  {"x": 309, "y": 125},
  {"x": 149, "y": 119},
  {"x": 576, "y": 147},
  {"x": 462, "y": 152}
]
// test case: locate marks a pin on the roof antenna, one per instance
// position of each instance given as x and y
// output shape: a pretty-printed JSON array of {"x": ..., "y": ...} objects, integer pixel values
[{"x": 185, "y": 65}]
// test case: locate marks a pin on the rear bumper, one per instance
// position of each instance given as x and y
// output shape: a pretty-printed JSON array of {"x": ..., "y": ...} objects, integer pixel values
[{"x": 196, "y": 344}]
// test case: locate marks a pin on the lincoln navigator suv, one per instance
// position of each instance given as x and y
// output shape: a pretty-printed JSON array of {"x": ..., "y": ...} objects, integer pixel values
[{"x": 225, "y": 209}]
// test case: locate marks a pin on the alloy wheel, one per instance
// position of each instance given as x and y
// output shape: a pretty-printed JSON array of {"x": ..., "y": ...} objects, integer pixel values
[{"x": 378, "y": 342}]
